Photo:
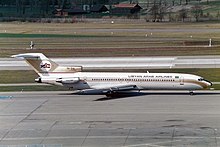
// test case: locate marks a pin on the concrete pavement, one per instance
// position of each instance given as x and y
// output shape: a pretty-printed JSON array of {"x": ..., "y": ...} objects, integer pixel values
[{"x": 153, "y": 118}]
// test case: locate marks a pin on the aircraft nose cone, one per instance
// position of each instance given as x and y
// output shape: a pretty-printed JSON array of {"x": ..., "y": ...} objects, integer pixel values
[{"x": 209, "y": 83}]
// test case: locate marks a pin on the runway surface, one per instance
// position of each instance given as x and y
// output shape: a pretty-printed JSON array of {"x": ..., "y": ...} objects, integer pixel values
[
  {"x": 121, "y": 63},
  {"x": 153, "y": 119}
]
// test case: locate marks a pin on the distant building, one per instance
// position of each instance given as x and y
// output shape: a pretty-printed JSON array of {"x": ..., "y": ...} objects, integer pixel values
[
  {"x": 98, "y": 9},
  {"x": 76, "y": 10},
  {"x": 60, "y": 12},
  {"x": 73, "y": 11},
  {"x": 129, "y": 10},
  {"x": 83, "y": 9}
]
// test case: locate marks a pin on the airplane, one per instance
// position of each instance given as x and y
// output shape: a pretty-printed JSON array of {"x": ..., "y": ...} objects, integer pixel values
[{"x": 109, "y": 83}]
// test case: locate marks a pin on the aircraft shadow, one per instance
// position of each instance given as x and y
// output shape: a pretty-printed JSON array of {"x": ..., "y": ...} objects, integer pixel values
[
  {"x": 121, "y": 96},
  {"x": 137, "y": 94},
  {"x": 133, "y": 94},
  {"x": 182, "y": 93}
]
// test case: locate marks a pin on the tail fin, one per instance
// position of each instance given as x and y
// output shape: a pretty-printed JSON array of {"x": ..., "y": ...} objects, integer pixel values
[
  {"x": 38, "y": 62},
  {"x": 41, "y": 64}
]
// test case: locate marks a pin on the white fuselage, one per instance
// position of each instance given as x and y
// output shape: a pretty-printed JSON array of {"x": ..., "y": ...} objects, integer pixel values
[{"x": 143, "y": 81}]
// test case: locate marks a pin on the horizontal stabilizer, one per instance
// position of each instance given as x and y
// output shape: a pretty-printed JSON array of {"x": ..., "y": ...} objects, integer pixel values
[{"x": 37, "y": 56}]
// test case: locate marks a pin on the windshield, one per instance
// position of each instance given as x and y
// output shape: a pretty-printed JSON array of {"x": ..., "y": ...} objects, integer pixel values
[{"x": 202, "y": 79}]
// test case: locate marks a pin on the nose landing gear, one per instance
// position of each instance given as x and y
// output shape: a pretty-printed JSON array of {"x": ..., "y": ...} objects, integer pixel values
[{"x": 191, "y": 93}]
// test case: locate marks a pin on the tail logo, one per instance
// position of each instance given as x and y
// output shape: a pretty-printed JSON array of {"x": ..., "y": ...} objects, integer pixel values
[{"x": 45, "y": 65}]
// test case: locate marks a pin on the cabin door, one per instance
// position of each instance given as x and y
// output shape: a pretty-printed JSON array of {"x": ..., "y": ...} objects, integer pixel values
[{"x": 181, "y": 80}]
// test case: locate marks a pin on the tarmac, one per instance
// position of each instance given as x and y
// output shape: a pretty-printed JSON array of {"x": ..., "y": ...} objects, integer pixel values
[
  {"x": 122, "y": 63},
  {"x": 150, "y": 118}
]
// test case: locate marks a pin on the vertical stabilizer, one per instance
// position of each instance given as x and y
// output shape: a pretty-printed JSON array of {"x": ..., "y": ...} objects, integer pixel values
[{"x": 41, "y": 64}]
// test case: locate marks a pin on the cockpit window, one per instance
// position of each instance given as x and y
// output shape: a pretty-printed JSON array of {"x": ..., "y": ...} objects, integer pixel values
[{"x": 200, "y": 79}]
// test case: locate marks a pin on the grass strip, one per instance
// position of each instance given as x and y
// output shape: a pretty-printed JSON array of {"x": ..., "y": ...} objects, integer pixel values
[
  {"x": 14, "y": 35},
  {"x": 32, "y": 88},
  {"x": 17, "y": 76}
]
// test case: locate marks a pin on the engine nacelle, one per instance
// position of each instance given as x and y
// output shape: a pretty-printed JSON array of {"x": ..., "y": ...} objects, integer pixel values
[
  {"x": 38, "y": 80},
  {"x": 68, "y": 80}
]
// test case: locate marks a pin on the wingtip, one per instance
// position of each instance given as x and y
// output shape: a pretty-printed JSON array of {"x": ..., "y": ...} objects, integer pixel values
[
  {"x": 30, "y": 55},
  {"x": 13, "y": 56},
  {"x": 17, "y": 56}
]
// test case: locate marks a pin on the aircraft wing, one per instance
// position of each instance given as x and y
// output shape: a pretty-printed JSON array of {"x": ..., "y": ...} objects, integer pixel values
[{"x": 117, "y": 88}]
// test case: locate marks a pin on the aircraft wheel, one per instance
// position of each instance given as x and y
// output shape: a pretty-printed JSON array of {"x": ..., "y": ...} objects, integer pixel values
[
  {"x": 111, "y": 94},
  {"x": 191, "y": 93}
]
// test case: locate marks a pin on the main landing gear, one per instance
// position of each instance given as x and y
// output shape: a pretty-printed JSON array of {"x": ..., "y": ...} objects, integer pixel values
[
  {"x": 111, "y": 94},
  {"x": 191, "y": 93}
]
